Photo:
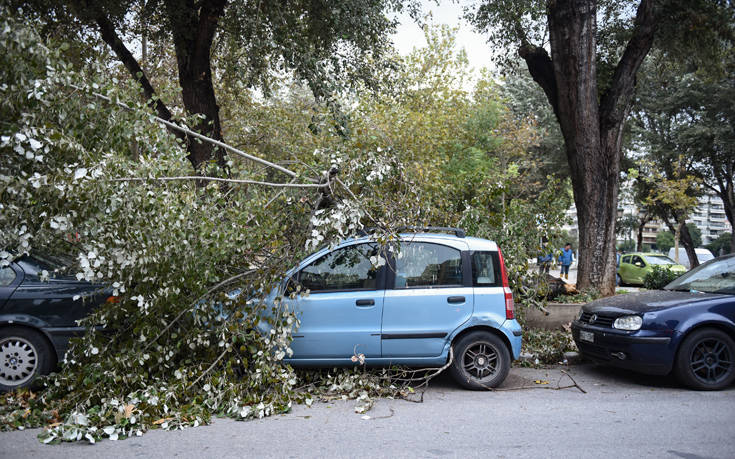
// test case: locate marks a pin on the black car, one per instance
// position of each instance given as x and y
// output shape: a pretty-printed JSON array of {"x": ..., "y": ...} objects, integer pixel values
[
  {"x": 39, "y": 310},
  {"x": 687, "y": 328}
]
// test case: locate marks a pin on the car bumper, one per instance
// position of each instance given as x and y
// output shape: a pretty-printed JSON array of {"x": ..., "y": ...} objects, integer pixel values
[
  {"x": 513, "y": 331},
  {"x": 640, "y": 351}
]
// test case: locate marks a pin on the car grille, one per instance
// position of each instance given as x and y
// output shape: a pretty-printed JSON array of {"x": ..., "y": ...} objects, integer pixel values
[{"x": 600, "y": 321}]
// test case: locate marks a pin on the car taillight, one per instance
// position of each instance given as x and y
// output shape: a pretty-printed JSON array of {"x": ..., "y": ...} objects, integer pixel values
[
  {"x": 112, "y": 299},
  {"x": 509, "y": 306}
]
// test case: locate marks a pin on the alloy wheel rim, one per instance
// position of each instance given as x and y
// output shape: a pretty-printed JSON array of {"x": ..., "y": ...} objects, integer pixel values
[
  {"x": 18, "y": 361},
  {"x": 711, "y": 361},
  {"x": 480, "y": 360}
]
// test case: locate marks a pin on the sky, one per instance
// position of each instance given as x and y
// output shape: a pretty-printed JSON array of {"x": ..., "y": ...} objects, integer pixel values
[{"x": 409, "y": 35}]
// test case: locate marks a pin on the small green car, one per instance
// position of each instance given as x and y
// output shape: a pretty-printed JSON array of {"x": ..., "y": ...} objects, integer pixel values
[{"x": 633, "y": 267}]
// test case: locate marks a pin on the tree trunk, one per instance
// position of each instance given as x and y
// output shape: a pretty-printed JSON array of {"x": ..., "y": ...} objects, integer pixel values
[
  {"x": 193, "y": 29},
  {"x": 641, "y": 225},
  {"x": 726, "y": 191},
  {"x": 592, "y": 126},
  {"x": 686, "y": 239},
  {"x": 677, "y": 238}
]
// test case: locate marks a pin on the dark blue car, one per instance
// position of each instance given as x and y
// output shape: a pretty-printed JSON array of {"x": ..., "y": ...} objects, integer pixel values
[{"x": 688, "y": 328}]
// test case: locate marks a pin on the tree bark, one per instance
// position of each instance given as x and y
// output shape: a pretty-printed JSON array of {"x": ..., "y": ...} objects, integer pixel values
[
  {"x": 681, "y": 234},
  {"x": 641, "y": 224},
  {"x": 686, "y": 239},
  {"x": 193, "y": 27},
  {"x": 592, "y": 126}
]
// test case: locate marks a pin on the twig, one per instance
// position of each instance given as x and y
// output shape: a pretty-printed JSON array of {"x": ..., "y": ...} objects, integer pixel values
[
  {"x": 208, "y": 369},
  {"x": 575, "y": 382}
]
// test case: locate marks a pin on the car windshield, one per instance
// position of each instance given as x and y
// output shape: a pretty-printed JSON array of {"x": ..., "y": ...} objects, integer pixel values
[
  {"x": 35, "y": 264},
  {"x": 660, "y": 260},
  {"x": 714, "y": 276}
]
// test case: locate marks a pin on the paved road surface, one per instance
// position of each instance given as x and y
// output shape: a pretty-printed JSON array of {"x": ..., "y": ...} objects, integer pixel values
[{"x": 622, "y": 415}]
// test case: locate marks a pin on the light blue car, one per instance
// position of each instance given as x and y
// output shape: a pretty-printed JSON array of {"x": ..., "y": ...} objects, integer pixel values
[{"x": 406, "y": 306}]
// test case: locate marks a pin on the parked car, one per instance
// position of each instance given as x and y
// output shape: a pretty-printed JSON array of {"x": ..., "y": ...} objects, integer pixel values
[
  {"x": 633, "y": 267},
  {"x": 38, "y": 316},
  {"x": 687, "y": 328},
  {"x": 434, "y": 293},
  {"x": 702, "y": 256}
]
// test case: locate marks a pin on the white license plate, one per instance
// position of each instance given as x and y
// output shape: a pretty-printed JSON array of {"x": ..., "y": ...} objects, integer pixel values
[{"x": 586, "y": 336}]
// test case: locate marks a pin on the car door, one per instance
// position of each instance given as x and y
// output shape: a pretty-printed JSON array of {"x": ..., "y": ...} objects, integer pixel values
[
  {"x": 340, "y": 316},
  {"x": 638, "y": 269},
  {"x": 430, "y": 295},
  {"x": 624, "y": 269}
]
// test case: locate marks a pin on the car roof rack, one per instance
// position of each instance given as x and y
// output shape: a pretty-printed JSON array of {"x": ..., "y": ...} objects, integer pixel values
[{"x": 459, "y": 232}]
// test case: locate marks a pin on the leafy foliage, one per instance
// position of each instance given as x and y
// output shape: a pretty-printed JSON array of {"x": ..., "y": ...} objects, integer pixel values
[
  {"x": 664, "y": 241},
  {"x": 84, "y": 179},
  {"x": 658, "y": 278}
]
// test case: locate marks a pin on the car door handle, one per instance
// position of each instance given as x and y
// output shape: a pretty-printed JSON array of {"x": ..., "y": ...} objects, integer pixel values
[
  {"x": 455, "y": 299},
  {"x": 365, "y": 302}
]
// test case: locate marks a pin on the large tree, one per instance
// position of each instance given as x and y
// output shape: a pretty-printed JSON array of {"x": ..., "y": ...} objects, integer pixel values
[
  {"x": 588, "y": 73},
  {"x": 322, "y": 42},
  {"x": 684, "y": 109},
  {"x": 590, "y": 113}
]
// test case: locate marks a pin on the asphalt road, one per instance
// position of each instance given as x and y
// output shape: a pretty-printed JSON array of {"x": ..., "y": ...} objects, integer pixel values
[{"x": 621, "y": 415}]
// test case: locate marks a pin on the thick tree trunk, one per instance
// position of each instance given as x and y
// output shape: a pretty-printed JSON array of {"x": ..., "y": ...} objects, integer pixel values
[
  {"x": 193, "y": 28},
  {"x": 591, "y": 125},
  {"x": 593, "y": 165}
]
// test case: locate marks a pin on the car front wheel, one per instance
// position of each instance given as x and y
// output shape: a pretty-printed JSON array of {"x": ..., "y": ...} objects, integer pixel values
[
  {"x": 24, "y": 354},
  {"x": 481, "y": 361},
  {"x": 705, "y": 360}
]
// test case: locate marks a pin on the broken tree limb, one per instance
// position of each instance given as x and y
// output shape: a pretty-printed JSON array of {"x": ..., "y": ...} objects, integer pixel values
[
  {"x": 220, "y": 179},
  {"x": 188, "y": 131}
]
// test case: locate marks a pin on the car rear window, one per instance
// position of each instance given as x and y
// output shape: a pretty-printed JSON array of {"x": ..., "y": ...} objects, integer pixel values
[
  {"x": 660, "y": 260},
  {"x": 486, "y": 269}
]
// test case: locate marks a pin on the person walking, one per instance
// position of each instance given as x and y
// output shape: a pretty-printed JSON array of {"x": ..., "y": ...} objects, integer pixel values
[
  {"x": 566, "y": 259},
  {"x": 544, "y": 263}
]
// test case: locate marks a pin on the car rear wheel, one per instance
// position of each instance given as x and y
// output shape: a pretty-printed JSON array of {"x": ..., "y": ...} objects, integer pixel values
[
  {"x": 705, "y": 360},
  {"x": 24, "y": 354},
  {"x": 481, "y": 361}
]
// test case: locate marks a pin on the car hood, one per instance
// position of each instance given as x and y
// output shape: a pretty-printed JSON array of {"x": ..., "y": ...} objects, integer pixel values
[{"x": 654, "y": 300}]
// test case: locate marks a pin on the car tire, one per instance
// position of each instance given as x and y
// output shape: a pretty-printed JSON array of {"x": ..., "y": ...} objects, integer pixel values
[
  {"x": 706, "y": 360},
  {"x": 24, "y": 355},
  {"x": 481, "y": 361}
]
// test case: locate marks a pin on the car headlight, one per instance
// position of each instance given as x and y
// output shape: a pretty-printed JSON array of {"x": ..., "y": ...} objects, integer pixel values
[
  {"x": 579, "y": 314},
  {"x": 628, "y": 323}
]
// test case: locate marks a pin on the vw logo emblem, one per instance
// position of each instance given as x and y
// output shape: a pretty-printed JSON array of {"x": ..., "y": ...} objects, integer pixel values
[{"x": 593, "y": 319}]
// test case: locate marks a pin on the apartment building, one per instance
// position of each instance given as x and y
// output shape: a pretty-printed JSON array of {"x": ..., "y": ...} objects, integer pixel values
[{"x": 709, "y": 217}]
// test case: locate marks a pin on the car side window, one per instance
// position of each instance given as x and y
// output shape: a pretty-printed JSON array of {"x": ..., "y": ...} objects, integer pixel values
[
  {"x": 7, "y": 276},
  {"x": 348, "y": 268},
  {"x": 485, "y": 272},
  {"x": 638, "y": 260},
  {"x": 626, "y": 259},
  {"x": 420, "y": 264}
]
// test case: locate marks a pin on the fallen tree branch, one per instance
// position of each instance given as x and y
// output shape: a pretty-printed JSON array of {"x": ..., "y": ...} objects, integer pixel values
[
  {"x": 187, "y": 131},
  {"x": 220, "y": 179}
]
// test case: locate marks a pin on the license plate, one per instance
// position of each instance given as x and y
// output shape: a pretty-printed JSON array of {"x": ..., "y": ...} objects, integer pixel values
[{"x": 586, "y": 336}]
